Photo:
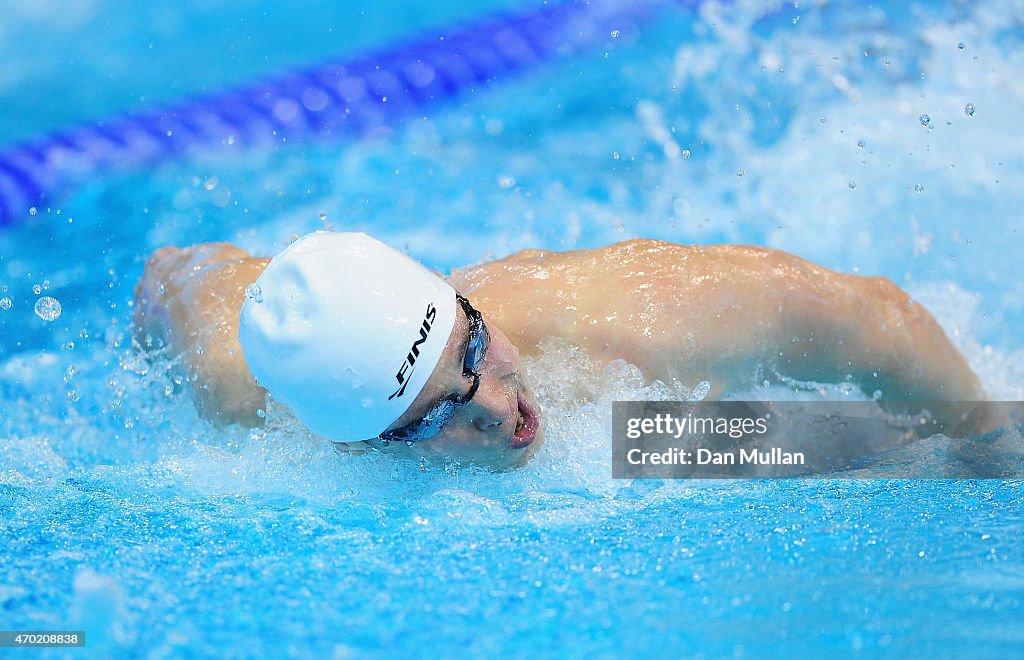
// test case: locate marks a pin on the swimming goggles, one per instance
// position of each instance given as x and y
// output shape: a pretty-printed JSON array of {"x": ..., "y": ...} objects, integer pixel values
[{"x": 443, "y": 411}]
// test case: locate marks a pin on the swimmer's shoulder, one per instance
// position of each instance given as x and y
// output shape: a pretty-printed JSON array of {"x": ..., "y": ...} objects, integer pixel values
[
  {"x": 493, "y": 271},
  {"x": 726, "y": 255}
]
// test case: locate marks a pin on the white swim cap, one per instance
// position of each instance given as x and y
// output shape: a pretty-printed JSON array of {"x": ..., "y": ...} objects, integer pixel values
[{"x": 346, "y": 331}]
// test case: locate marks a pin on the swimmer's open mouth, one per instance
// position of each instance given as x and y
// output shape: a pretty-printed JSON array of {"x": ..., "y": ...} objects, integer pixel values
[{"x": 526, "y": 425}]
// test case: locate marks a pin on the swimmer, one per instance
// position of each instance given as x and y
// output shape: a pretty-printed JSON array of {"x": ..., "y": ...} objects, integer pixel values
[{"x": 364, "y": 344}]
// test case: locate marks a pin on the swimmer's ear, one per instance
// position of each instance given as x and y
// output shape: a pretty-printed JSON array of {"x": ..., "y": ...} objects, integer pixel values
[{"x": 352, "y": 448}]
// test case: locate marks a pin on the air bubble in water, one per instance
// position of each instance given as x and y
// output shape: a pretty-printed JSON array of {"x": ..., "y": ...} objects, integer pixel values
[
  {"x": 853, "y": 185},
  {"x": 36, "y": 289},
  {"x": 969, "y": 109},
  {"x": 48, "y": 308},
  {"x": 918, "y": 187},
  {"x": 33, "y": 211},
  {"x": 261, "y": 413},
  {"x": 6, "y": 303},
  {"x": 615, "y": 34},
  {"x": 961, "y": 45},
  {"x": 254, "y": 293},
  {"x": 925, "y": 120}
]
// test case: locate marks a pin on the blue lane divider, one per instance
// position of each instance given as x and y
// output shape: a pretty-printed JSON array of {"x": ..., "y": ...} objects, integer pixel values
[{"x": 350, "y": 97}]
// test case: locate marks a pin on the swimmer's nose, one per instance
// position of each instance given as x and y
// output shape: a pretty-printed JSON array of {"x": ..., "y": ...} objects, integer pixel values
[{"x": 493, "y": 405}]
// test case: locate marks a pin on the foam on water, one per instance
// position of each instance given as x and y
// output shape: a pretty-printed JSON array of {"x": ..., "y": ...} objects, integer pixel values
[{"x": 162, "y": 532}]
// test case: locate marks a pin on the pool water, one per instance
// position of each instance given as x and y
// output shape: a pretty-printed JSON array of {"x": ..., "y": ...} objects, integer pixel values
[{"x": 874, "y": 139}]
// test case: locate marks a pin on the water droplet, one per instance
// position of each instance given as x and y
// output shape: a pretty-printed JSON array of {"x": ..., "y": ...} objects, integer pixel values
[
  {"x": 254, "y": 293},
  {"x": 686, "y": 153},
  {"x": 46, "y": 285},
  {"x": 36, "y": 289},
  {"x": 6, "y": 303},
  {"x": 73, "y": 396},
  {"x": 48, "y": 308},
  {"x": 615, "y": 34},
  {"x": 925, "y": 120},
  {"x": 261, "y": 413},
  {"x": 33, "y": 211},
  {"x": 853, "y": 185},
  {"x": 615, "y": 155},
  {"x": 861, "y": 143},
  {"x": 969, "y": 109}
]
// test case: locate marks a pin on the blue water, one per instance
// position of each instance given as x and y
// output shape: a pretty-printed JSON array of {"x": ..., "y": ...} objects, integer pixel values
[{"x": 798, "y": 127}]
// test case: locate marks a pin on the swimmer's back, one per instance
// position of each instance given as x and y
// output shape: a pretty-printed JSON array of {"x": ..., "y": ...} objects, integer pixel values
[
  {"x": 631, "y": 298},
  {"x": 719, "y": 312}
]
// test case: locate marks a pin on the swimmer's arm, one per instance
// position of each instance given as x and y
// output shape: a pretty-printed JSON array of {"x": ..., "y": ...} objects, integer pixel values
[
  {"x": 187, "y": 303},
  {"x": 810, "y": 323}
]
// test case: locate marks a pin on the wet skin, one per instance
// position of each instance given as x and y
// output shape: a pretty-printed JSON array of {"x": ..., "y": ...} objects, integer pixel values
[{"x": 719, "y": 313}]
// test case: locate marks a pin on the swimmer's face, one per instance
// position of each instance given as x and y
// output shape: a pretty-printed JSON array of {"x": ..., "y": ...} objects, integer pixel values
[{"x": 498, "y": 427}]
